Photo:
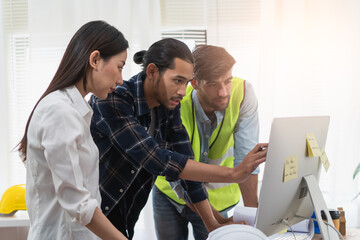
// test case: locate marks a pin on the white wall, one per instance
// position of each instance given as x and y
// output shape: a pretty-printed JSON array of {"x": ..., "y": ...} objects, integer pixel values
[
  {"x": 304, "y": 47},
  {"x": 3, "y": 117}
]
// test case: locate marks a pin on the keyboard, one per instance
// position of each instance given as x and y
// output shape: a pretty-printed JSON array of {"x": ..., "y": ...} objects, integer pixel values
[{"x": 289, "y": 236}]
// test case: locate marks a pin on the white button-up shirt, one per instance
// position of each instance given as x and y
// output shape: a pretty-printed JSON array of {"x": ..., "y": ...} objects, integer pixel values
[{"x": 62, "y": 168}]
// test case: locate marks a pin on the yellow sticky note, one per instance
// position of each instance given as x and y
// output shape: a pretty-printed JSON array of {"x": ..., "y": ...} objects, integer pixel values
[
  {"x": 283, "y": 231},
  {"x": 312, "y": 145},
  {"x": 290, "y": 168},
  {"x": 324, "y": 160}
]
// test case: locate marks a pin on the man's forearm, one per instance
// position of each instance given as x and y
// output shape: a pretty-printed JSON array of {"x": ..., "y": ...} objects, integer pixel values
[
  {"x": 210, "y": 216},
  {"x": 202, "y": 172},
  {"x": 249, "y": 191},
  {"x": 204, "y": 210},
  {"x": 220, "y": 218}
]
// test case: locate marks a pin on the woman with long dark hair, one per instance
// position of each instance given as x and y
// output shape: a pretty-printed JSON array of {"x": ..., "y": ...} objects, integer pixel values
[{"x": 62, "y": 161}]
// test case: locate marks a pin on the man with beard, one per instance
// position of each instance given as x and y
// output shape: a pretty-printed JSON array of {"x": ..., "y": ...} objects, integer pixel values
[
  {"x": 220, "y": 115},
  {"x": 140, "y": 135}
]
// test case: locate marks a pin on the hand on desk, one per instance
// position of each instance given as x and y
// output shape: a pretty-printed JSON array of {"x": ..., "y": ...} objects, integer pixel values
[
  {"x": 230, "y": 220},
  {"x": 223, "y": 222},
  {"x": 211, "y": 218}
]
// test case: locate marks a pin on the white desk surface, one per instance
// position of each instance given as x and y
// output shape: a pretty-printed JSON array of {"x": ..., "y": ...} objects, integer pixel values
[{"x": 19, "y": 219}]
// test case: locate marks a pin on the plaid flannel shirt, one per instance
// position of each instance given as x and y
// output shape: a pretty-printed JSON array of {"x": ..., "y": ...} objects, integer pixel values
[{"x": 130, "y": 159}]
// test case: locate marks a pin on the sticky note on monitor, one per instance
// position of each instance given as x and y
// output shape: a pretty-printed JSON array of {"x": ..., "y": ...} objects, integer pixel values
[
  {"x": 290, "y": 168},
  {"x": 324, "y": 160},
  {"x": 313, "y": 148}
]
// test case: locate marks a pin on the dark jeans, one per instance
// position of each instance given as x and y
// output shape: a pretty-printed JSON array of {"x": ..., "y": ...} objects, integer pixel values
[{"x": 172, "y": 223}]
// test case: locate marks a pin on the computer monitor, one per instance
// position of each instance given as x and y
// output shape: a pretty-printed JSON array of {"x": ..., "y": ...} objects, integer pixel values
[{"x": 280, "y": 200}]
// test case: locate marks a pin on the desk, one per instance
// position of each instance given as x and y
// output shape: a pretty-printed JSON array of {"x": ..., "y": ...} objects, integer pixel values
[
  {"x": 15, "y": 227},
  {"x": 351, "y": 234}
]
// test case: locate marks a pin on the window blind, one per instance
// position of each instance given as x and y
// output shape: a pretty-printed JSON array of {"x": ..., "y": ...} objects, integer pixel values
[
  {"x": 175, "y": 13},
  {"x": 16, "y": 42},
  {"x": 235, "y": 25},
  {"x": 192, "y": 37},
  {"x": 232, "y": 24}
]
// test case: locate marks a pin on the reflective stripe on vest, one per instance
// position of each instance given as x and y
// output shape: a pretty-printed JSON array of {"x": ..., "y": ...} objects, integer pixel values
[{"x": 221, "y": 196}]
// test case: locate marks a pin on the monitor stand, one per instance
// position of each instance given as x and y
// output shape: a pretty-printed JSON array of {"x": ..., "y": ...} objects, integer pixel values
[{"x": 319, "y": 204}]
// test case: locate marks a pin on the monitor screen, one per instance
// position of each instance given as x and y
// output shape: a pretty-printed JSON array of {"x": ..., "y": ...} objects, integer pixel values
[{"x": 284, "y": 193}]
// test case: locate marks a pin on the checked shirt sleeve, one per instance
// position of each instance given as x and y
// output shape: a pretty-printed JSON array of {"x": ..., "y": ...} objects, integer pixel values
[{"x": 114, "y": 119}]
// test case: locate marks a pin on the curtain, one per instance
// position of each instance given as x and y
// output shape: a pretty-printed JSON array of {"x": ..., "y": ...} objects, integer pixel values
[
  {"x": 34, "y": 35},
  {"x": 302, "y": 58},
  {"x": 309, "y": 58}
]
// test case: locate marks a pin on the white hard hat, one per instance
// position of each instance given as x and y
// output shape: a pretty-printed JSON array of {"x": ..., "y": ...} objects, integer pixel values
[{"x": 237, "y": 231}]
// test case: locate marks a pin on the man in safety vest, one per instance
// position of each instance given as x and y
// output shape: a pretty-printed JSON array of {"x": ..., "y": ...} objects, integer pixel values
[{"x": 220, "y": 115}]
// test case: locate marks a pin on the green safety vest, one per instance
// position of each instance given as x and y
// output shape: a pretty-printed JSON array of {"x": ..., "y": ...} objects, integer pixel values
[{"x": 221, "y": 195}]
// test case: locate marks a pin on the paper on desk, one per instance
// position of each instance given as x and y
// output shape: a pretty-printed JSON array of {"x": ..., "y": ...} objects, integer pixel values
[
  {"x": 302, "y": 229},
  {"x": 304, "y": 226},
  {"x": 248, "y": 214}
]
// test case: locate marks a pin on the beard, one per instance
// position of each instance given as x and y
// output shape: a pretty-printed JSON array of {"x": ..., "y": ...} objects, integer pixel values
[
  {"x": 220, "y": 104},
  {"x": 162, "y": 97}
]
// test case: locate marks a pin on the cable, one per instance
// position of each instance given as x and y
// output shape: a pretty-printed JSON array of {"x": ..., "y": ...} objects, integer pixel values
[
  {"x": 331, "y": 227},
  {"x": 328, "y": 224},
  {"x": 287, "y": 223}
]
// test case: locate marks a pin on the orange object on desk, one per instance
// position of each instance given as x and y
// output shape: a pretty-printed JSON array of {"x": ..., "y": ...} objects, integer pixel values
[{"x": 342, "y": 221}]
